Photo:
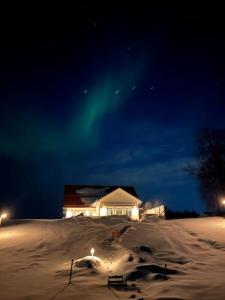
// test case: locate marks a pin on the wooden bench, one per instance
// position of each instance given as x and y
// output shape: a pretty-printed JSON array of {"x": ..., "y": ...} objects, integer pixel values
[{"x": 117, "y": 280}]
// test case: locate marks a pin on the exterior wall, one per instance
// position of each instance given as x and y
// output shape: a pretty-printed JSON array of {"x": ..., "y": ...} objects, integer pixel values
[
  {"x": 158, "y": 210},
  {"x": 131, "y": 211},
  {"x": 119, "y": 197},
  {"x": 69, "y": 212},
  {"x": 119, "y": 210},
  {"x": 119, "y": 202}
]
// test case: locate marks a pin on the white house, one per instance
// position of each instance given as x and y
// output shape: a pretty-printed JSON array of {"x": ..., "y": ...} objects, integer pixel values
[{"x": 100, "y": 201}]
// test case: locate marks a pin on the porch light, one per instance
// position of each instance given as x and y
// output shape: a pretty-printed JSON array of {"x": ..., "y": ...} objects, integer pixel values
[
  {"x": 135, "y": 213},
  {"x": 103, "y": 211}
]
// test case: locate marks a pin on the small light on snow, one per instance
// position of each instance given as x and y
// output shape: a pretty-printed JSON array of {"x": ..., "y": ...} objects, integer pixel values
[{"x": 92, "y": 251}]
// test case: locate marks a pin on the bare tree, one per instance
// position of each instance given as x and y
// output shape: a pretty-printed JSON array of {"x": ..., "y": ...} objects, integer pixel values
[{"x": 209, "y": 169}]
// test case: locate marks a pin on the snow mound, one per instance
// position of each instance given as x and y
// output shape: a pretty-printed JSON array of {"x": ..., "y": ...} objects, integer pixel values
[
  {"x": 36, "y": 258},
  {"x": 145, "y": 249},
  {"x": 89, "y": 262},
  {"x": 150, "y": 218},
  {"x": 142, "y": 272}
]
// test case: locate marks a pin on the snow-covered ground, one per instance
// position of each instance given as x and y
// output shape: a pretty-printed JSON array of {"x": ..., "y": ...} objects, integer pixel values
[{"x": 35, "y": 258}]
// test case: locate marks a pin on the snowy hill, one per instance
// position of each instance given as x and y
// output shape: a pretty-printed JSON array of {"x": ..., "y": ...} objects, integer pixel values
[{"x": 35, "y": 258}]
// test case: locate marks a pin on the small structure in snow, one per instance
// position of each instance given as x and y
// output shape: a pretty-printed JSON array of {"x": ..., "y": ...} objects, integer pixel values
[
  {"x": 156, "y": 211},
  {"x": 117, "y": 280}
]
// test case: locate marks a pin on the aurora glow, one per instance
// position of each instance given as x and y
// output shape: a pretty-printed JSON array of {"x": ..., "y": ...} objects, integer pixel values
[
  {"x": 108, "y": 95},
  {"x": 101, "y": 100},
  {"x": 33, "y": 135}
]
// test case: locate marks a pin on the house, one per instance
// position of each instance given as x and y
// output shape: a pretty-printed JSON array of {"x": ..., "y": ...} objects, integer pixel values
[{"x": 100, "y": 201}]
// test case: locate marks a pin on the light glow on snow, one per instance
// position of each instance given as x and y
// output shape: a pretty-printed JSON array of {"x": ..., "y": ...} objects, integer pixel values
[{"x": 5, "y": 235}]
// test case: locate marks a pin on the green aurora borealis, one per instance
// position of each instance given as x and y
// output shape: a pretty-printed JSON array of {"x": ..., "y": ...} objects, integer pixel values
[{"x": 27, "y": 134}]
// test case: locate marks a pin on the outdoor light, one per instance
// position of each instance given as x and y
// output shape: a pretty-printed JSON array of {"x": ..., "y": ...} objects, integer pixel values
[
  {"x": 223, "y": 201},
  {"x": 69, "y": 213},
  {"x": 103, "y": 211},
  {"x": 2, "y": 216},
  {"x": 135, "y": 213},
  {"x": 92, "y": 251}
]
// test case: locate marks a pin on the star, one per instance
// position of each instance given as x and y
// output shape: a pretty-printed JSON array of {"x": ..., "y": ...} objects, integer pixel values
[
  {"x": 85, "y": 91},
  {"x": 133, "y": 87},
  {"x": 152, "y": 88},
  {"x": 117, "y": 92}
]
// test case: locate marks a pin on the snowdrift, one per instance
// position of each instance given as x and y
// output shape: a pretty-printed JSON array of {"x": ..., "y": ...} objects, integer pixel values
[{"x": 35, "y": 258}]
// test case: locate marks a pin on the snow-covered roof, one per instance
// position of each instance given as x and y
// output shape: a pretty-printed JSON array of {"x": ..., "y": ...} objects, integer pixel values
[{"x": 85, "y": 195}]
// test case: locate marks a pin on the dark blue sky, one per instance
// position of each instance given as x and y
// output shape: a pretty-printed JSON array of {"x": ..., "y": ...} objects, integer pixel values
[{"x": 107, "y": 95}]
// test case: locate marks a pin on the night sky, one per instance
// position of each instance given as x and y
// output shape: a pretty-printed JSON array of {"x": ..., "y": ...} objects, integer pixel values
[{"x": 109, "y": 95}]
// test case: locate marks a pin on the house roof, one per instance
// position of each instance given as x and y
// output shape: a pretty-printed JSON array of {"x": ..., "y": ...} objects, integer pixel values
[{"x": 84, "y": 195}]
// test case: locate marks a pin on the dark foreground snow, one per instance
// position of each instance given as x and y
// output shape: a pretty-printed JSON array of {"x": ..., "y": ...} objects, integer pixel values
[{"x": 35, "y": 258}]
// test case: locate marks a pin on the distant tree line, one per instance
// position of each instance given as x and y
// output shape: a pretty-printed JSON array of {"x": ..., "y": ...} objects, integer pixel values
[{"x": 172, "y": 214}]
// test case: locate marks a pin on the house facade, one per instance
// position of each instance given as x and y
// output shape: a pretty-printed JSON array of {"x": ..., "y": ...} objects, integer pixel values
[{"x": 99, "y": 200}]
